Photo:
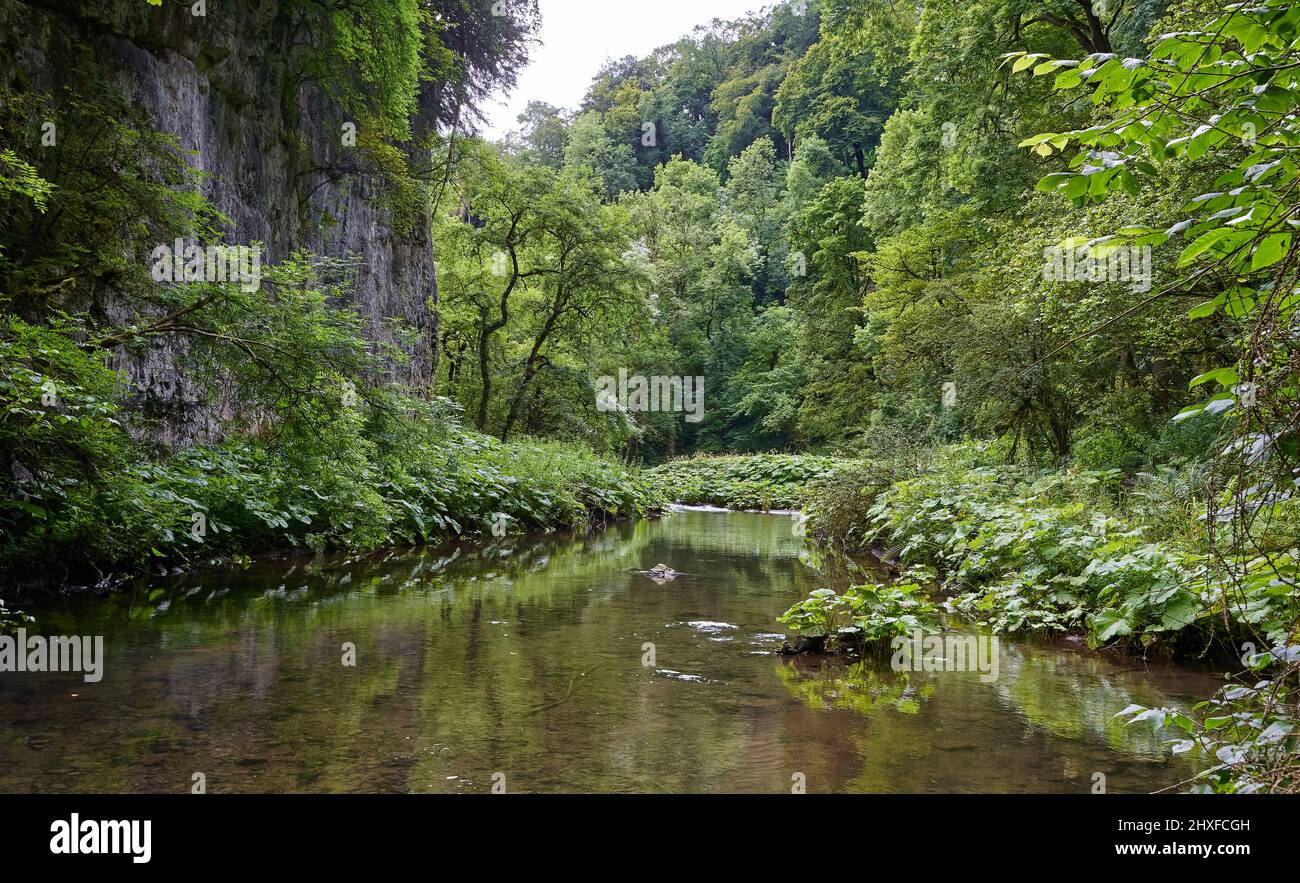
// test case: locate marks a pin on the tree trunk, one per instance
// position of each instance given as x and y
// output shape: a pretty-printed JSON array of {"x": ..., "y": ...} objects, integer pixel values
[
  {"x": 485, "y": 377},
  {"x": 1160, "y": 380},
  {"x": 534, "y": 359}
]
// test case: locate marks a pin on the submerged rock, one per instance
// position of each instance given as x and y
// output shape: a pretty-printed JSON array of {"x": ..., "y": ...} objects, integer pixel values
[
  {"x": 660, "y": 573},
  {"x": 803, "y": 645}
]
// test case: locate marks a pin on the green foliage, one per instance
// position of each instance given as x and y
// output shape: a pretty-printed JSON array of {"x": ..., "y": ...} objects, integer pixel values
[
  {"x": 864, "y": 616},
  {"x": 1233, "y": 71},
  {"x": 1216, "y": 97},
  {"x": 836, "y": 92},
  {"x": 709, "y": 95},
  {"x": 545, "y": 134},
  {"x": 1052, "y": 551},
  {"x": 840, "y": 504},
  {"x": 81, "y": 209},
  {"x": 757, "y": 481},
  {"x": 823, "y": 312},
  {"x": 827, "y": 237},
  {"x": 591, "y": 151},
  {"x": 381, "y": 44},
  {"x": 330, "y": 456},
  {"x": 531, "y": 278},
  {"x": 12, "y": 619},
  {"x": 22, "y": 179},
  {"x": 401, "y": 474},
  {"x": 1249, "y": 727}
]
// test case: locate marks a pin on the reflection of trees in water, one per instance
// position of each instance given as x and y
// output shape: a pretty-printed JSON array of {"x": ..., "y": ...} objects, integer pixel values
[
  {"x": 1073, "y": 696},
  {"x": 754, "y": 548},
  {"x": 228, "y": 596},
  {"x": 865, "y": 686},
  {"x": 1069, "y": 696},
  {"x": 742, "y": 534},
  {"x": 471, "y": 660},
  {"x": 1046, "y": 725}
]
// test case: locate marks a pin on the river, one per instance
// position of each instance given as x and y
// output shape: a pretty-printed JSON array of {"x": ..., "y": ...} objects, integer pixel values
[{"x": 548, "y": 664}]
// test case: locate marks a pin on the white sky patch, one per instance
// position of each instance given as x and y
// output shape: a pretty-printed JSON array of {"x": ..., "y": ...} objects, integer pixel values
[{"x": 579, "y": 36}]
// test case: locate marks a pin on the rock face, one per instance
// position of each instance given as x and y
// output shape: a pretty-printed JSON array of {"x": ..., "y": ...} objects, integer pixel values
[{"x": 270, "y": 147}]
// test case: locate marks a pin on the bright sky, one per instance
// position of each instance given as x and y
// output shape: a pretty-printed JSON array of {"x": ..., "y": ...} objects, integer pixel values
[{"x": 578, "y": 36}]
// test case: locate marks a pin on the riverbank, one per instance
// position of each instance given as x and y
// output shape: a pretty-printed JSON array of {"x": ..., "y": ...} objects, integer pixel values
[
  {"x": 229, "y": 502},
  {"x": 1123, "y": 560},
  {"x": 1119, "y": 557},
  {"x": 744, "y": 482}
]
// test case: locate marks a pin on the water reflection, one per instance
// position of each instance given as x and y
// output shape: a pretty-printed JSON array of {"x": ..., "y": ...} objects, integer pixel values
[{"x": 528, "y": 657}]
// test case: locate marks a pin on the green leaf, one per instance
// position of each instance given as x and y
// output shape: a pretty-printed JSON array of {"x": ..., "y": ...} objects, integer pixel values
[
  {"x": 1223, "y": 376},
  {"x": 1068, "y": 79},
  {"x": 1026, "y": 60},
  {"x": 1208, "y": 308},
  {"x": 1222, "y": 239},
  {"x": 1271, "y": 250},
  {"x": 1110, "y": 623}
]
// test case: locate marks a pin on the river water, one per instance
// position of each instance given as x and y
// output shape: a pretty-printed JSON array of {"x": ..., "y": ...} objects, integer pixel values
[{"x": 527, "y": 664}]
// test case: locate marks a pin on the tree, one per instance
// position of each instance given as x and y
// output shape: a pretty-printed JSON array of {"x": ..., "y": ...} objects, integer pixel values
[
  {"x": 591, "y": 149},
  {"x": 755, "y": 203},
  {"x": 831, "y": 94},
  {"x": 827, "y": 239},
  {"x": 532, "y": 274},
  {"x": 545, "y": 133}
]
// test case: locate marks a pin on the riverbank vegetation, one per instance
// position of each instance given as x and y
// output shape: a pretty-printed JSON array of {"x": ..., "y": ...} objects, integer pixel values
[
  {"x": 861, "y": 617},
  {"x": 1120, "y": 558},
  {"x": 755, "y": 482}
]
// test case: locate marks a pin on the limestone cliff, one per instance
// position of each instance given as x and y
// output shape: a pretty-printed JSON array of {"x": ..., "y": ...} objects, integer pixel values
[{"x": 270, "y": 149}]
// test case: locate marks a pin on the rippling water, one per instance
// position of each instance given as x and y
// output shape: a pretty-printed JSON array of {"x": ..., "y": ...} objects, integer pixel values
[{"x": 530, "y": 659}]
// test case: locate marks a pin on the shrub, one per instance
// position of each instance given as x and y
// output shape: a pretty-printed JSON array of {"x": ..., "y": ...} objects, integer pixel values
[
  {"x": 864, "y": 616},
  {"x": 1049, "y": 551}
]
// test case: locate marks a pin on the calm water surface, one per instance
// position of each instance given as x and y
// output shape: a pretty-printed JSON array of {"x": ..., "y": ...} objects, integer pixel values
[{"x": 526, "y": 658}]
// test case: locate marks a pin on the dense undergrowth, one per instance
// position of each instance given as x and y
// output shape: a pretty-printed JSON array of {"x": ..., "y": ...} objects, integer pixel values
[
  {"x": 358, "y": 466},
  {"x": 1120, "y": 558},
  {"x": 755, "y": 481},
  {"x": 244, "y": 498}
]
